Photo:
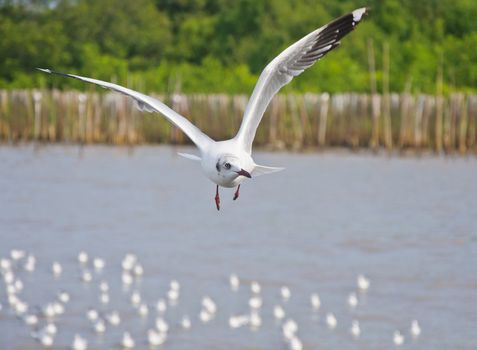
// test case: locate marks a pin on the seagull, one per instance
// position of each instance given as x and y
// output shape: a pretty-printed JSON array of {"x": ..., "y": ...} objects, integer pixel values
[
  {"x": 227, "y": 163},
  {"x": 415, "y": 329}
]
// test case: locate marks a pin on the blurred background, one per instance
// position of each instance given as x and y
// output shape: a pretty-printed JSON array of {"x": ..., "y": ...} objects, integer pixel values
[
  {"x": 405, "y": 80},
  {"x": 402, "y": 85}
]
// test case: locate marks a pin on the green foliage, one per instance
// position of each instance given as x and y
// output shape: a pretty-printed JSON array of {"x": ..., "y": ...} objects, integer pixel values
[{"x": 223, "y": 45}]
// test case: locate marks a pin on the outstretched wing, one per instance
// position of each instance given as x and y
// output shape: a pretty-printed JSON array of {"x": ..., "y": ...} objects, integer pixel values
[
  {"x": 289, "y": 64},
  {"x": 150, "y": 104}
]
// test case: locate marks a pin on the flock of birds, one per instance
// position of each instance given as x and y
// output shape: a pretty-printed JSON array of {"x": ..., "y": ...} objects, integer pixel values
[{"x": 42, "y": 321}]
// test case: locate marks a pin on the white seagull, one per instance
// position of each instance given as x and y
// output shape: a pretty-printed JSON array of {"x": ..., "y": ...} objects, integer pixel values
[{"x": 227, "y": 163}]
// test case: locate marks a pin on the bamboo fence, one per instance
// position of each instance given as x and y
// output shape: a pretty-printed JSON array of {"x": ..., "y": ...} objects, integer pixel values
[{"x": 391, "y": 121}]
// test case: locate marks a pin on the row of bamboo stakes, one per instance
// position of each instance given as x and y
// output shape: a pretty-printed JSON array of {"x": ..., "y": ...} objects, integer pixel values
[{"x": 390, "y": 121}]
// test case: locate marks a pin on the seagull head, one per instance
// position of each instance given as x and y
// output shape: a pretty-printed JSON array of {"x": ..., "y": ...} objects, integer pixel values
[{"x": 229, "y": 166}]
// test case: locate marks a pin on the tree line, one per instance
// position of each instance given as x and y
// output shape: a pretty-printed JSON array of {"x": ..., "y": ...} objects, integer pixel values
[{"x": 212, "y": 46}]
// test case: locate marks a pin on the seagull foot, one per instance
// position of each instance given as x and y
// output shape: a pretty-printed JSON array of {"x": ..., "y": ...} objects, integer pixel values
[{"x": 237, "y": 193}]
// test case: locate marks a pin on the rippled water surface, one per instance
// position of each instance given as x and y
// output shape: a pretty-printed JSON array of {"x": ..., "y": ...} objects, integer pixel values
[{"x": 410, "y": 224}]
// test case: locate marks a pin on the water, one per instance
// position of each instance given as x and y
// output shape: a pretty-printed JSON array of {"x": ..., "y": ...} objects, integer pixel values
[{"x": 410, "y": 224}]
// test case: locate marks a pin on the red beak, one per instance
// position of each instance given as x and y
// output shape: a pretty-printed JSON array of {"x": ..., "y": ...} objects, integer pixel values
[{"x": 244, "y": 173}]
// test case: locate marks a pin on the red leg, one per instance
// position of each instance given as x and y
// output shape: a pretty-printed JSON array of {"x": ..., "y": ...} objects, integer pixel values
[
  {"x": 237, "y": 193},
  {"x": 217, "y": 198}
]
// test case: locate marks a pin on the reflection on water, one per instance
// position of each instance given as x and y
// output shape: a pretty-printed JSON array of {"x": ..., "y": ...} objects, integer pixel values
[{"x": 409, "y": 224}]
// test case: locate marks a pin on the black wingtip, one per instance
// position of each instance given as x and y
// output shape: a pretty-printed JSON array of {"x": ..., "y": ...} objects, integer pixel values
[{"x": 45, "y": 70}]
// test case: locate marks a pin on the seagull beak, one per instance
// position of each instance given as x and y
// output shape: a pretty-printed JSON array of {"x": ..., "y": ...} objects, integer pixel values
[{"x": 244, "y": 173}]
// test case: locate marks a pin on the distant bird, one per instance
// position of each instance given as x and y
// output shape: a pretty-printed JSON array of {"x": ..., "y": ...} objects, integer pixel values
[
  {"x": 238, "y": 321},
  {"x": 92, "y": 314},
  {"x": 155, "y": 338},
  {"x": 398, "y": 338},
  {"x": 126, "y": 278},
  {"x": 143, "y": 310},
  {"x": 100, "y": 326},
  {"x": 30, "y": 263},
  {"x": 127, "y": 341},
  {"x": 31, "y": 320},
  {"x": 209, "y": 305},
  {"x": 285, "y": 293},
  {"x": 161, "y": 306},
  {"x": 296, "y": 344},
  {"x": 415, "y": 329},
  {"x": 355, "y": 329},
  {"x": 161, "y": 325},
  {"x": 83, "y": 257},
  {"x": 79, "y": 343},
  {"x": 104, "y": 298},
  {"x": 104, "y": 286},
  {"x": 353, "y": 300},
  {"x": 185, "y": 322},
  {"x": 135, "y": 298},
  {"x": 255, "y": 320},
  {"x": 278, "y": 312},
  {"x": 64, "y": 297},
  {"x": 98, "y": 264},
  {"x": 138, "y": 270},
  {"x": 255, "y": 302},
  {"x": 45, "y": 339},
  {"x": 331, "y": 320},
  {"x": 315, "y": 301},
  {"x": 363, "y": 282},
  {"x": 86, "y": 276},
  {"x": 228, "y": 163},
  {"x": 205, "y": 316},
  {"x": 56, "y": 269},
  {"x": 17, "y": 254},
  {"x": 255, "y": 287},
  {"x": 289, "y": 328},
  {"x": 113, "y": 318},
  {"x": 234, "y": 282},
  {"x": 128, "y": 262}
]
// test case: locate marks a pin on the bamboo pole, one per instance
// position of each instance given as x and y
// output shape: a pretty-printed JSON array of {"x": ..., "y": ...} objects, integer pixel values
[
  {"x": 375, "y": 99},
  {"x": 388, "y": 140},
  {"x": 324, "y": 108}
]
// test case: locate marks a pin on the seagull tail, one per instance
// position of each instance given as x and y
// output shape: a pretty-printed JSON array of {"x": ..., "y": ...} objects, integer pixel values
[{"x": 263, "y": 170}]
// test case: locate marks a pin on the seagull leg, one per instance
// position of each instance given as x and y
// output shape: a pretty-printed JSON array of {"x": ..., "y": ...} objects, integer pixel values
[
  {"x": 217, "y": 198},
  {"x": 237, "y": 193}
]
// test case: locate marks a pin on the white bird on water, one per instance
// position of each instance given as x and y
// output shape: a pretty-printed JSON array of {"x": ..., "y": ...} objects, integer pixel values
[
  {"x": 415, "y": 329},
  {"x": 355, "y": 329},
  {"x": 363, "y": 282},
  {"x": 315, "y": 301},
  {"x": 234, "y": 282},
  {"x": 331, "y": 320},
  {"x": 127, "y": 341},
  {"x": 227, "y": 163},
  {"x": 79, "y": 343},
  {"x": 398, "y": 338}
]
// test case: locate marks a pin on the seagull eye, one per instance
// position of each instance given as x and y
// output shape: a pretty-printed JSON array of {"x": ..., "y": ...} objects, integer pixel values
[{"x": 227, "y": 166}]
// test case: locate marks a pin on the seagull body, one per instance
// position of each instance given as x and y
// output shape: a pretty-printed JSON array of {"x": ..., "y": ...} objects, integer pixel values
[
  {"x": 415, "y": 329},
  {"x": 79, "y": 343},
  {"x": 398, "y": 338},
  {"x": 227, "y": 163},
  {"x": 186, "y": 322},
  {"x": 315, "y": 301},
  {"x": 363, "y": 282},
  {"x": 355, "y": 329},
  {"x": 234, "y": 282},
  {"x": 278, "y": 312},
  {"x": 127, "y": 341},
  {"x": 331, "y": 320}
]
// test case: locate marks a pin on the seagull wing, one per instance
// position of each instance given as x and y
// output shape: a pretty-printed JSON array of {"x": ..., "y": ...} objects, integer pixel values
[
  {"x": 150, "y": 104},
  {"x": 289, "y": 64}
]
